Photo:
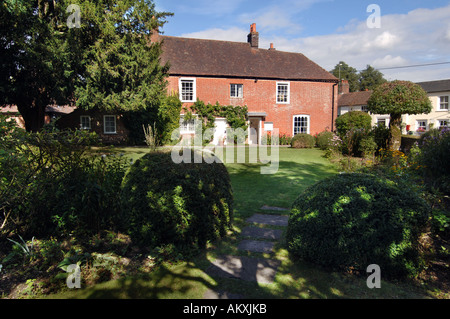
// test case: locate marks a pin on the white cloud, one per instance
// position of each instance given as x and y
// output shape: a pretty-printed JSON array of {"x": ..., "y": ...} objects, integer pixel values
[
  {"x": 389, "y": 61},
  {"x": 417, "y": 37},
  {"x": 231, "y": 34}
]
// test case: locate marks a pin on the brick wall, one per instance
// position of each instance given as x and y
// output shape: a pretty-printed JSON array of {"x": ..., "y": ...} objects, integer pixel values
[
  {"x": 73, "y": 121},
  {"x": 306, "y": 98}
]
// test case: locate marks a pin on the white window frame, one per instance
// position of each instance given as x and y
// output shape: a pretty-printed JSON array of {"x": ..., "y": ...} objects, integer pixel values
[
  {"x": 238, "y": 90},
  {"x": 445, "y": 102},
  {"x": 105, "y": 131},
  {"x": 288, "y": 93},
  {"x": 308, "y": 117},
  {"x": 189, "y": 127},
  {"x": 88, "y": 126},
  {"x": 440, "y": 124},
  {"x": 194, "y": 89},
  {"x": 418, "y": 126}
]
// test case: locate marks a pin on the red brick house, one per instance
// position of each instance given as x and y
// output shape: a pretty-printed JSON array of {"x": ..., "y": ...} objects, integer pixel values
[{"x": 282, "y": 90}]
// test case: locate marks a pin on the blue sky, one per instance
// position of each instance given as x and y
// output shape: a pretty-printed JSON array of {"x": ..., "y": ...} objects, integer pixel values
[{"x": 327, "y": 31}]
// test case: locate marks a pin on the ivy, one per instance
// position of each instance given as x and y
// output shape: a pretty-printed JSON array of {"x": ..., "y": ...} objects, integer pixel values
[{"x": 236, "y": 116}]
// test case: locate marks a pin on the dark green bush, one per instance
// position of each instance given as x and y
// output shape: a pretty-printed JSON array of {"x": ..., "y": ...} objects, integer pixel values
[
  {"x": 303, "y": 141},
  {"x": 434, "y": 157},
  {"x": 353, "y": 120},
  {"x": 183, "y": 204},
  {"x": 350, "y": 221},
  {"x": 51, "y": 185},
  {"x": 324, "y": 140}
]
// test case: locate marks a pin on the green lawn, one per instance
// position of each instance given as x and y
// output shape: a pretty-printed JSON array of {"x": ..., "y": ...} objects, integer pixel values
[{"x": 298, "y": 169}]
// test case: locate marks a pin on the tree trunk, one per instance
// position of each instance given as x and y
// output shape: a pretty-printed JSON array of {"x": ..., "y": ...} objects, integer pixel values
[
  {"x": 395, "y": 132},
  {"x": 33, "y": 115}
]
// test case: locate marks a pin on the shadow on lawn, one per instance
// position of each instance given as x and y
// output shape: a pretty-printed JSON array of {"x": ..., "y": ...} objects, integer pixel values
[{"x": 252, "y": 190}]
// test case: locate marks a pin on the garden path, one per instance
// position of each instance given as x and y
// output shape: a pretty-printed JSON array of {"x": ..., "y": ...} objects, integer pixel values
[{"x": 257, "y": 237}]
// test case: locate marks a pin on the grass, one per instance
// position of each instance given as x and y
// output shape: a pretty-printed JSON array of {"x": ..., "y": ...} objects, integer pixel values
[{"x": 298, "y": 169}]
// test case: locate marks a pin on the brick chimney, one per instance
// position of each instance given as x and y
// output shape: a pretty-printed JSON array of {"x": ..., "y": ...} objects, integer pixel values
[
  {"x": 344, "y": 87},
  {"x": 253, "y": 36}
]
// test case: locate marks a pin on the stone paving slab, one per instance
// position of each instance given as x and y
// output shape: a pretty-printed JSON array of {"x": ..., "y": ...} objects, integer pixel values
[
  {"x": 256, "y": 246},
  {"x": 282, "y": 209},
  {"x": 261, "y": 270},
  {"x": 261, "y": 233},
  {"x": 274, "y": 220}
]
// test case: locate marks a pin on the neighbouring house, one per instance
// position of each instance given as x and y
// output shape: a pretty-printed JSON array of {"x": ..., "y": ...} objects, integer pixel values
[
  {"x": 109, "y": 127},
  {"x": 282, "y": 90},
  {"x": 52, "y": 112},
  {"x": 438, "y": 93}
]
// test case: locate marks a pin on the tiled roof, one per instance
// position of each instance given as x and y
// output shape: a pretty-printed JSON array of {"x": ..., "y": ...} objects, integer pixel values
[
  {"x": 62, "y": 109},
  {"x": 435, "y": 86},
  {"x": 198, "y": 57},
  {"x": 354, "y": 98}
]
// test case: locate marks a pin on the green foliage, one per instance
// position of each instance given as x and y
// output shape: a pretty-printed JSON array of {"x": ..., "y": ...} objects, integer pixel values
[
  {"x": 350, "y": 221},
  {"x": 51, "y": 185},
  {"x": 353, "y": 120},
  {"x": 236, "y": 116},
  {"x": 346, "y": 72},
  {"x": 370, "y": 78},
  {"x": 433, "y": 157},
  {"x": 367, "y": 79},
  {"x": 184, "y": 204},
  {"x": 303, "y": 141},
  {"x": 324, "y": 140},
  {"x": 106, "y": 63},
  {"x": 399, "y": 97}
]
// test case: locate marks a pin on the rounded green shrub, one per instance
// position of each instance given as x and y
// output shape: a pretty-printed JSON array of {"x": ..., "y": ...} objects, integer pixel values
[
  {"x": 350, "y": 221},
  {"x": 303, "y": 141},
  {"x": 183, "y": 204},
  {"x": 353, "y": 120},
  {"x": 324, "y": 140}
]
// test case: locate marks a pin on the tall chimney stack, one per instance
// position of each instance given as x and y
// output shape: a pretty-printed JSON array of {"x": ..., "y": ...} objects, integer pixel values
[{"x": 253, "y": 36}]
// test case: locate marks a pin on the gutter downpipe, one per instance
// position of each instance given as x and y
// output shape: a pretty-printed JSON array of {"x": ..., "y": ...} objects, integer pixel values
[{"x": 332, "y": 107}]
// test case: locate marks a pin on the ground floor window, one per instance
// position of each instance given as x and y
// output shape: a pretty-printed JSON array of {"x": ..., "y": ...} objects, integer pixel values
[
  {"x": 443, "y": 123},
  {"x": 109, "y": 124},
  {"x": 421, "y": 125},
  {"x": 301, "y": 124},
  {"x": 187, "y": 126},
  {"x": 85, "y": 122}
]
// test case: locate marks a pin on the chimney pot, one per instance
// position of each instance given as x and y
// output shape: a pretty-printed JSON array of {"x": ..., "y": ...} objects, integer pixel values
[
  {"x": 253, "y": 36},
  {"x": 271, "y": 47}
]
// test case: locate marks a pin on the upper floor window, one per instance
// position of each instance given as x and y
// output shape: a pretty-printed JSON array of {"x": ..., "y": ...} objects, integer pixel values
[
  {"x": 187, "y": 90},
  {"x": 237, "y": 90},
  {"x": 443, "y": 104},
  {"x": 283, "y": 92}
]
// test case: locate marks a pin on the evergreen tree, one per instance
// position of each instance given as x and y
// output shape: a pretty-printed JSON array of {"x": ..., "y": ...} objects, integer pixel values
[
  {"x": 106, "y": 63},
  {"x": 370, "y": 78},
  {"x": 345, "y": 72}
]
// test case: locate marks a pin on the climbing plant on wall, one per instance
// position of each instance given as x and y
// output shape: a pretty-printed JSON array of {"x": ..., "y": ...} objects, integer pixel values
[{"x": 236, "y": 116}]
